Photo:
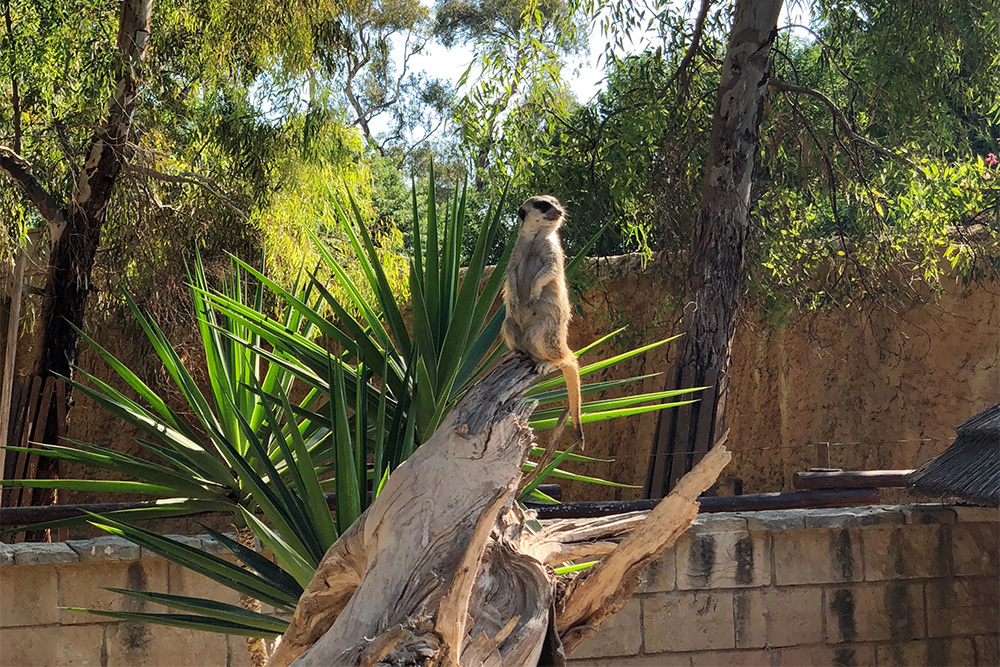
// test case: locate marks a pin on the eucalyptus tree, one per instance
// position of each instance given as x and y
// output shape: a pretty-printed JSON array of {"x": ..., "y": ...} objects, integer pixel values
[
  {"x": 143, "y": 143},
  {"x": 875, "y": 123},
  {"x": 514, "y": 80}
]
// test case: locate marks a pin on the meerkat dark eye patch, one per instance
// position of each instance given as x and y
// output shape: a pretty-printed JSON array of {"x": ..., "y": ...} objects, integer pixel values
[
  {"x": 543, "y": 206},
  {"x": 521, "y": 212}
]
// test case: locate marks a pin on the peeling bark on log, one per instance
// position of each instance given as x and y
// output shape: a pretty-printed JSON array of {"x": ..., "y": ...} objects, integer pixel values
[{"x": 445, "y": 568}]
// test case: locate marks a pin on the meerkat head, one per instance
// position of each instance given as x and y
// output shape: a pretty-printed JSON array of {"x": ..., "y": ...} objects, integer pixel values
[{"x": 540, "y": 212}]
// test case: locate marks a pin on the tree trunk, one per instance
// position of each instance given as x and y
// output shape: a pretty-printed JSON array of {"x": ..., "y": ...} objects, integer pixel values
[
  {"x": 715, "y": 272},
  {"x": 75, "y": 226},
  {"x": 444, "y": 568},
  {"x": 76, "y": 239}
]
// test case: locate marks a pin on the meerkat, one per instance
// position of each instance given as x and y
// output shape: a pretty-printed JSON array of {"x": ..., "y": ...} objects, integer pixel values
[{"x": 536, "y": 299}]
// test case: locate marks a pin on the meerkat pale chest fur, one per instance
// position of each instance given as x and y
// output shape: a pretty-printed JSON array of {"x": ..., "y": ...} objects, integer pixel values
[{"x": 536, "y": 299}]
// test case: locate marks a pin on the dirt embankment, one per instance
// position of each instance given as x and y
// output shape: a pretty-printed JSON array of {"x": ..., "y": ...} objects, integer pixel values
[{"x": 884, "y": 388}]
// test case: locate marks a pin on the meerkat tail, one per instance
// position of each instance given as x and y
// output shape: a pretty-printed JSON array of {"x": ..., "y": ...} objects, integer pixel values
[{"x": 571, "y": 371}]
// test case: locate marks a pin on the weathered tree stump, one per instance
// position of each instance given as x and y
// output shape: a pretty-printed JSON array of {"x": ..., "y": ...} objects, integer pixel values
[{"x": 445, "y": 569}]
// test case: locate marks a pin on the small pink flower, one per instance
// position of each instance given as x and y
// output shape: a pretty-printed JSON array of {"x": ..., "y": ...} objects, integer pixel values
[{"x": 991, "y": 160}]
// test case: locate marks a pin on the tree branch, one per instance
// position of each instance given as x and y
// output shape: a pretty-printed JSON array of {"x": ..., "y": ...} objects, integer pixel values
[
  {"x": 19, "y": 171},
  {"x": 853, "y": 136},
  {"x": 699, "y": 27},
  {"x": 590, "y": 599},
  {"x": 191, "y": 178}
]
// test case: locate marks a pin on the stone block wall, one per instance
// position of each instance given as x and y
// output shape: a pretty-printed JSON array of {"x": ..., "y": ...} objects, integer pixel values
[
  {"x": 883, "y": 585},
  {"x": 39, "y": 583}
]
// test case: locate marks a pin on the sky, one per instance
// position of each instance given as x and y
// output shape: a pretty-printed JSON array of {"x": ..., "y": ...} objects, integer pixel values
[{"x": 583, "y": 74}]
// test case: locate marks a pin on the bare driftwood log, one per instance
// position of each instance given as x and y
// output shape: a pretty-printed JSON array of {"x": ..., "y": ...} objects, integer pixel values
[{"x": 445, "y": 569}]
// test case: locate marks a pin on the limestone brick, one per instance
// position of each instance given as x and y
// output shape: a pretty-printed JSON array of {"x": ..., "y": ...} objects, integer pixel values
[
  {"x": 899, "y": 552},
  {"x": 661, "y": 575},
  {"x": 619, "y": 635},
  {"x": 975, "y": 549},
  {"x": 875, "y": 612},
  {"x": 211, "y": 546},
  {"x": 6, "y": 554},
  {"x": 987, "y": 649},
  {"x": 29, "y": 595},
  {"x": 83, "y": 584},
  {"x": 723, "y": 560},
  {"x": 52, "y": 646},
  {"x": 731, "y": 658},
  {"x": 846, "y": 517},
  {"x": 719, "y": 522},
  {"x": 104, "y": 548},
  {"x": 775, "y": 617},
  {"x": 859, "y": 655},
  {"x": 817, "y": 556},
  {"x": 238, "y": 656},
  {"x": 962, "y": 607},
  {"x": 688, "y": 621},
  {"x": 972, "y": 513},
  {"x": 35, "y": 553},
  {"x": 202, "y": 543},
  {"x": 777, "y": 520},
  {"x": 919, "y": 514},
  {"x": 184, "y": 581},
  {"x": 141, "y": 645},
  {"x": 946, "y": 651}
]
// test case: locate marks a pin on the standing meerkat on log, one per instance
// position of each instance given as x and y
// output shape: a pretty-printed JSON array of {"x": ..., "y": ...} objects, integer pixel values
[{"x": 536, "y": 299}]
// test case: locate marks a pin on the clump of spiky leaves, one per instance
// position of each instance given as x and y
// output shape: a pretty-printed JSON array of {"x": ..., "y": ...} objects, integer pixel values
[
  {"x": 247, "y": 450},
  {"x": 373, "y": 388}
]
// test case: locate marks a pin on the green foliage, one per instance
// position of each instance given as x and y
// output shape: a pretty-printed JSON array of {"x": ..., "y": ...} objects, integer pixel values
[
  {"x": 514, "y": 81},
  {"x": 248, "y": 450},
  {"x": 843, "y": 223},
  {"x": 835, "y": 220},
  {"x": 235, "y": 456},
  {"x": 928, "y": 71},
  {"x": 632, "y": 158},
  {"x": 223, "y": 144},
  {"x": 371, "y": 388}
]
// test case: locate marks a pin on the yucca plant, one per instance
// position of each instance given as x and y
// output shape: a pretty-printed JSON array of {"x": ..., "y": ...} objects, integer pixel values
[
  {"x": 373, "y": 389},
  {"x": 453, "y": 338},
  {"x": 248, "y": 452}
]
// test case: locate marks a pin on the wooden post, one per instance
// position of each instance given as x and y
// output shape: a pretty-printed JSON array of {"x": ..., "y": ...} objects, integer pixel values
[
  {"x": 13, "y": 329},
  {"x": 684, "y": 434},
  {"x": 823, "y": 455}
]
